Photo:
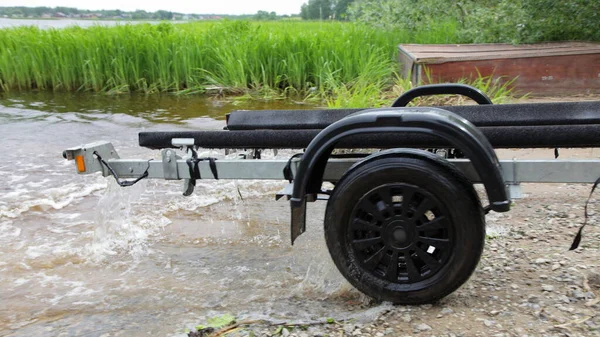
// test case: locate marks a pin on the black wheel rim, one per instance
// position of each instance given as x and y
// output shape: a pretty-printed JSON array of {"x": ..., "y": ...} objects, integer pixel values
[{"x": 400, "y": 233}]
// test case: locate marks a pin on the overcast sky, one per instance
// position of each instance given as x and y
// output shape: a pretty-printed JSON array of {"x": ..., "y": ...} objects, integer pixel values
[{"x": 181, "y": 6}]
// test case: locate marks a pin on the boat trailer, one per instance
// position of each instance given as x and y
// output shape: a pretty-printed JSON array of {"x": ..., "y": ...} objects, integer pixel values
[{"x": 403, "y": 222}]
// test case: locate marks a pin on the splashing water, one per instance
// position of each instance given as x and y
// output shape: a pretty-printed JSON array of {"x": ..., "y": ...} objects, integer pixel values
[{"x": 83, "y": 256}]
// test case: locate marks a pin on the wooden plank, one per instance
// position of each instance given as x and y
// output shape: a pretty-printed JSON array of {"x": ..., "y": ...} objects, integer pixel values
[
  {"x": 553, "y": 75},
  {"x": 447, "y": 53}
]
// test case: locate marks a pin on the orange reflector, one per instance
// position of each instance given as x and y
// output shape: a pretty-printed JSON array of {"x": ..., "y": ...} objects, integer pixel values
[{"x": 80, "y": 163}]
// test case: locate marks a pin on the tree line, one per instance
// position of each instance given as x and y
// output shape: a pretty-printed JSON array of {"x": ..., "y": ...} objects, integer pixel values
[
  {"x": 325, "y": 9},
  {"x": 69, "y": 12},
  {"x": 512, "y": 21}
]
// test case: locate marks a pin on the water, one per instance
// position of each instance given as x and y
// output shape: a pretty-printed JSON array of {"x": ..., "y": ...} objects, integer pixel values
[
  {"x": 83, "y": 256},
  {"x": 62, "y": 23}
]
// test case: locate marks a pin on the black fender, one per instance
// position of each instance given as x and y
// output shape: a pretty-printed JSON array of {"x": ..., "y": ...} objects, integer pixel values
[{"x": 456, "y": 130}]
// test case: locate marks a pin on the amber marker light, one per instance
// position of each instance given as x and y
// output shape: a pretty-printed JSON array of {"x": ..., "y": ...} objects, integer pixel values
[{"x": 80, "y": 163}]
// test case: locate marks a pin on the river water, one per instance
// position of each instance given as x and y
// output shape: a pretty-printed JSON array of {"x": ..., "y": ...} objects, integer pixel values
[
  {"x": 62, "y": 23},
  {"x": 82, "y": 256}
]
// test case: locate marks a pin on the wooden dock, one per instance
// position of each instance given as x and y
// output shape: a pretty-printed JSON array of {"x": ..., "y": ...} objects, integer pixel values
[{"x": 564, "y": 68}]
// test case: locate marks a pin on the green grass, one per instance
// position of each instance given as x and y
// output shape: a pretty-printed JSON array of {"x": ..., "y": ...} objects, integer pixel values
[
  {"x": 366, "y": 94},
  {"x": 315, "y": 59}
]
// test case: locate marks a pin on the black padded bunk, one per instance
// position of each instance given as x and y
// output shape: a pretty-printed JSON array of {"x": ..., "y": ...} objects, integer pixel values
[{"x": 564, "y": 124}]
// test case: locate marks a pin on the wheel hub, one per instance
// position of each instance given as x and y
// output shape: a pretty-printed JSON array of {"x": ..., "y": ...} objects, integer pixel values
[{"x": 399, "y": 234}]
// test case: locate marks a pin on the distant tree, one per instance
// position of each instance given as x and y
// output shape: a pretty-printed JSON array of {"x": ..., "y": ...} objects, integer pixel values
[
  {"x": 340, "y": 9},
  {"x": 304, "y": 11},
  {"x": 140, "y": 15},
  {"x": 265, "y": 16},
  {"x": 317, "y": 10},
  {"x": 65, "y": 10},
  {"x": 22, "y": 11},
  {"x": 164, "y": 15},
  {"x": 325, "y": 9},
  {"x": 39, "y": 11},
  {"x": 17, "y": 12}
]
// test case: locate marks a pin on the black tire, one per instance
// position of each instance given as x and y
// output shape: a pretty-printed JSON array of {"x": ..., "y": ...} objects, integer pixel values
[{"x": 443, "y": 219}]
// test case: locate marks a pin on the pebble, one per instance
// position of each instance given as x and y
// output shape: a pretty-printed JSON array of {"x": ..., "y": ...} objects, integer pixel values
[
  {"x": 348, "y": 328},
  {"x": 594, "y": 279},
  {"x": 565, "y": 299},
  {"x": 563, "y": 308},
  {"x": 547, "y": 287},
  {"x": 422, "y": 327},
  {"x": 446, "y": 311},
  {"x": 578, "y": 294}
]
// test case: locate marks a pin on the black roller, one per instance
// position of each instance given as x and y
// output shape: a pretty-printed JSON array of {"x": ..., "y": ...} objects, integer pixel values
[
  {"x": 499, "y": 137},
  {"x": 563, "y": 113}
]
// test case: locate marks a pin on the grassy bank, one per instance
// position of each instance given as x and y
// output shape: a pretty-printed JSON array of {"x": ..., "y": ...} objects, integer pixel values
[{"x": 294, "y": 58}]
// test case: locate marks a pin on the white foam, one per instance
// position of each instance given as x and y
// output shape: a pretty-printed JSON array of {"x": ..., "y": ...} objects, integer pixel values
[
  {"x": 81, "y": 291},
  {"x": 47, "y": 280},
  {"x": 18, "y": 192},
  {"x": 20, "y": 281},
  {"x": 7, "y": 230},
  {"x": 84, "y": 303},
  {"x": 33, "y": 252},
  {"x": 34, "y": 185},
  {"x": 15, "y": 178},
  {"x": 22, "y": 200},
  {"x": 65, "y": 216}
]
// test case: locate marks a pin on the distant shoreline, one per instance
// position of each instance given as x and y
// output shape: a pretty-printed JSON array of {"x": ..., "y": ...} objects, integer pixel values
[{"x": 102, "y": 19}]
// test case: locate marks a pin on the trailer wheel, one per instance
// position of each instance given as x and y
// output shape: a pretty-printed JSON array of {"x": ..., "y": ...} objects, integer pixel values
[{"x": 409, "y": 230}]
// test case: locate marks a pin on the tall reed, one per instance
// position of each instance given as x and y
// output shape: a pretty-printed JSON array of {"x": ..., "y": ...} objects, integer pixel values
[{"x": 300, "y": 57}]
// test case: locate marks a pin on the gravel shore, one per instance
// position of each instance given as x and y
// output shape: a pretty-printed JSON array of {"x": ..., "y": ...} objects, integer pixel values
[{"x": 527, "y": 283}]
